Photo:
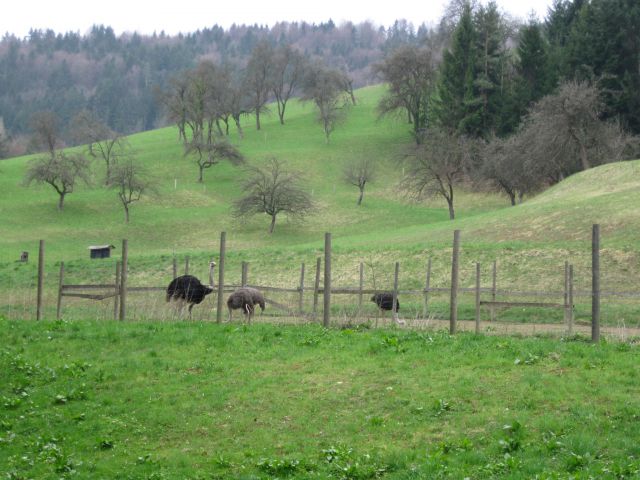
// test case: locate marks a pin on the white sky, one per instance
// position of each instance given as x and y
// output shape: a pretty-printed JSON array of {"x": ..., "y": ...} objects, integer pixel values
[{"x": 189, "y": 15}]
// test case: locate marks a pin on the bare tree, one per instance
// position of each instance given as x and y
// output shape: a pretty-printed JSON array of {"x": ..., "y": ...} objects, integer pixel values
[
  {"x": 258, "y": 74},
  {"x": 60, "y": 170},
  {"x": 358, "y": 173},
  {"x": 174, "y": 100},
  {"x": 101, "y": 141},
  {"x": 287, "y": 74},
  {"x": 437, "y": 167},
  {"x": 504, "y": 166},
  {"x": 410, "y": 74},
  {"x": 131, "y": 181},
  {"x": 45, "y": 126},
  {"x": 209, "y": 154},
  {"x": 273, "y": 190},
  {"x": 325, "y": 87},
  {"x": 565, "y": 134}
]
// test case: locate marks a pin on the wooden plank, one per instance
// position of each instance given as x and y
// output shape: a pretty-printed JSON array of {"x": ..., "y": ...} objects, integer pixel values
[
  {"x": 90, "y": 296},
  {"x": 522, "y": 304},
  {"x": 88, "y": 287}
]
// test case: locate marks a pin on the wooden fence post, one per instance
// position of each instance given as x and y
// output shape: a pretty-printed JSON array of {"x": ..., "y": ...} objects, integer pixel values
[
  {"x": 244, "y": 279},
  {"x": 427, "y": 285},
  {"x": 316, "y": 287},
  {"x": 595, "y": 283},
  {"x": 570, "y": 327},
  {"x": 455, "y": 259},
  {"x": 394, "y": 304},
  {"x": 60, "y": 284},
  {"x": 327, "y": 280},
  {"x": 360, "y": 288},
  {"x": 116, "y": 298},
  {"x": 494, "y": 285},
  {"x": 40, "y": 280},
  {"x": 301, "y": 298},
  {"x": 477, "y": 298},
  {"x": 223, "y": 239},
  {"x": 123, "y": 280}
]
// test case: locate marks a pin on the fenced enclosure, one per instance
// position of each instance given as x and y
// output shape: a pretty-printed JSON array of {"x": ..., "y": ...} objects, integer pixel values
[{"x": 448, "y": 294}]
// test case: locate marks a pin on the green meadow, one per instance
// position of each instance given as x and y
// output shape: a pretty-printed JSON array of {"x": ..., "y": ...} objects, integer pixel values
[
  {"x": 198, "y": 400},
  {"x": 156, "y": 398},
  {"x": 530, "y": 242}
]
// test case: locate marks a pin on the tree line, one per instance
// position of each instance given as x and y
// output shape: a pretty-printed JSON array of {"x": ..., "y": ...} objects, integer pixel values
[
  {"x": 520, "y": 118},
  {"x": 489, "y": 102},
  {"x": 114, "y": 76}
]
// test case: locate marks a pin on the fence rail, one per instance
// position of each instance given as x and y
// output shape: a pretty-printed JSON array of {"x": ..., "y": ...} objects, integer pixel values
[{"x": 120, "y": 287}]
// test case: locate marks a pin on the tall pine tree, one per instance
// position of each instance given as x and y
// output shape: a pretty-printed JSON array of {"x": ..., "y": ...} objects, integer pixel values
[{"x": 457, "y": 108}]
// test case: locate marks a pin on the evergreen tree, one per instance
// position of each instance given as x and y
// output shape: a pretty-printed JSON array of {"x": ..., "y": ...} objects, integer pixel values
[
  {"x": 491, "y": 56},
  {"x": 532, "y": 80},
  {"x": 604, "y": 44},
  {"x": 456, "y": 107}
]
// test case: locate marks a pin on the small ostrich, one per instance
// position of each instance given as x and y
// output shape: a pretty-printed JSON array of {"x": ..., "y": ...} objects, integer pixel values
[
  {"x": 245, "y": 298},
  {"x": 187, "y": 289},
  {"x": 384, "y": 301}
]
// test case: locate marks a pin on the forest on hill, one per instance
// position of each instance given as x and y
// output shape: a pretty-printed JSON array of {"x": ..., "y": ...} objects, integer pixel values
[{"x": 497, "y": 65}]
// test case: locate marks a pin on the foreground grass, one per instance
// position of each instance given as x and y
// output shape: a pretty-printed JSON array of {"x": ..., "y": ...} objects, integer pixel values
[{"x": 200, "y": 400}]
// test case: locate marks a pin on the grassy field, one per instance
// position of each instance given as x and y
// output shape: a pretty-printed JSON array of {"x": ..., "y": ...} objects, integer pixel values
[
  {"x": 88, "y": 399},
  {"x": 529, "y": 242}
]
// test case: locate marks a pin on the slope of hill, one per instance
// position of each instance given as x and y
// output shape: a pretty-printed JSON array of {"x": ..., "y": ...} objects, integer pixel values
[{"x": 530, "y": 242}]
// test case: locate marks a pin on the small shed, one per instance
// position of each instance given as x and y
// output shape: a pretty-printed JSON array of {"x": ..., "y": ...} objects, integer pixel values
[{"x": 100, "y": 251}]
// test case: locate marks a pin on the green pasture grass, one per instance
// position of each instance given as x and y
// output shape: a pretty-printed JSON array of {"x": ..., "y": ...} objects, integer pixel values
[
  {"x": 195, "y": 400},
  {"x": 529, "y": 242}
]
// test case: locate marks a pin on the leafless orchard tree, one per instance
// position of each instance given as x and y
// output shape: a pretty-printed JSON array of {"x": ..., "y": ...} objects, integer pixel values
[
  {"x": 410, "y": 75},
  {"x": 287, "y": 73},
  {"x": 101, "y": 141},
  {"x": 504, "y": 167},
  {"x": 61, "y": 171},
  {"x": 130, "y": 180},
  {"x": 273, "y": 190},
  {"x": 174, "y": 99},
  {"x": 437, "y": 167},
  {"x": 46, "y": 131},
  {"x": 564, "y": 132},
  {"x": 326, "y": 88},
  {"x": 358, "y": 173},
  {"x": 209, "y": 154},
  {"x": 258, "y": 76}
]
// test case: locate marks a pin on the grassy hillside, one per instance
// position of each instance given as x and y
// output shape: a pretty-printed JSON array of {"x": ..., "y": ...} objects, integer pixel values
[
  {"x": 530, "y": 242},
  {"x": 195, "y": 400}
]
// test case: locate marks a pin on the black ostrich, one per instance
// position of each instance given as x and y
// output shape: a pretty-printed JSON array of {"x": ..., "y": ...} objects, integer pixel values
[
  {"x": 384, "y": 301},
  {"x": 245, "y": 298},
  {"x": 187, "y": 289}
]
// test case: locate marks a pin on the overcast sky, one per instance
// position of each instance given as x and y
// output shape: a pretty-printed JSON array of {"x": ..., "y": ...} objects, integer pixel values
[{"x": 189, "y": 15}]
